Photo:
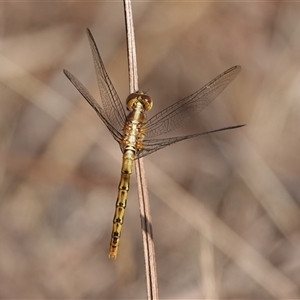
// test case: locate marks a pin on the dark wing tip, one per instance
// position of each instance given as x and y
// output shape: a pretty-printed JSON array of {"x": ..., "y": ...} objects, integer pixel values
[
  {"x": 90, "y": 37},
  {"x": 237, "y": 68},
  {"x": 238, "y": 126},
  {"x": 68, "y": 74},
  {"x": 88, "y": 31}
]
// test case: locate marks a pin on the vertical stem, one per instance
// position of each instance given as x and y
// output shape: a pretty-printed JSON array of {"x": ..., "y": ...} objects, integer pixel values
[
  {"x": 148, "y": 244},
  {"x": 147, "y": 234},
  {"x": 131, "y": 49}
]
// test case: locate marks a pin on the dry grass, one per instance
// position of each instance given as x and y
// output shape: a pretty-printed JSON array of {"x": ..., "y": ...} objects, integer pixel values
[{"x": 225, "y": 208}]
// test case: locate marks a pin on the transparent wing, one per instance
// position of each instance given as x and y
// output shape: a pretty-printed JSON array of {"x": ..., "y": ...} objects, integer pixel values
[
  {"x": 153, "y": 145},
  {"x": 113, "y": 108},
  {"x": 182, "y": 111},
  {"x": 99, "y": 110}
]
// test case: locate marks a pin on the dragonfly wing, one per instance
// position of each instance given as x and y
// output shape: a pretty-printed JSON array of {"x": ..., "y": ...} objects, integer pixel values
[
  {"x": 182, "y": 111},
  {"x": 112, "y": 105},
  {"x": 117, "y": 135},
  {"x": 153, "y": 145}
]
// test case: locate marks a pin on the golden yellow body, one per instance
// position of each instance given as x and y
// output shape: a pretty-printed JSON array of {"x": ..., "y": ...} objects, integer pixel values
[{"x": 132, "y": 142}]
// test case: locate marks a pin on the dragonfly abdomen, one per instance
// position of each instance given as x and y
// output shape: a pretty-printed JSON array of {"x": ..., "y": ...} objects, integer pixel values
[
  {"x": 131, "y": 143},
  {"x": 126, "y": 171}
]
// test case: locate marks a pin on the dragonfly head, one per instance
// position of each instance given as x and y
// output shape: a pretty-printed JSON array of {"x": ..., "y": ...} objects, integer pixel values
[{"x": 139, "y": 97}]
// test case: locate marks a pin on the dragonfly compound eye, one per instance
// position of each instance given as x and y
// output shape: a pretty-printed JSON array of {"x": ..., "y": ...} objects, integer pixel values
[
  {"x": 146, "y": 101},
  {"x": 140, "y": 97},
  {"x": 131, "y": 100}
]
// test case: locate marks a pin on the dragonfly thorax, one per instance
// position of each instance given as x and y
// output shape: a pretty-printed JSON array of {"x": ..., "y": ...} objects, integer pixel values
[{"x": 139, "y": 97}]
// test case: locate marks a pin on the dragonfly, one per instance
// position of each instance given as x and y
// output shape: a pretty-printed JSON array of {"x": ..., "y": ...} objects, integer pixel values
[{"x": 135, "y": 134}]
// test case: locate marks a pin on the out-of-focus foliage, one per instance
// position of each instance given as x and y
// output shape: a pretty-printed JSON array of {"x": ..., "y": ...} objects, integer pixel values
[{"x": 225, "y": 207}]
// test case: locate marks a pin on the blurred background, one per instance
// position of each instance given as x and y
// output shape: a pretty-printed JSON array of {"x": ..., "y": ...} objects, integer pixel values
[{"x": 225, "y": 207}]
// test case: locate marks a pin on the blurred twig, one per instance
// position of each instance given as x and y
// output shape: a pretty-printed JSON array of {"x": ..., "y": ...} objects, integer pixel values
[{"x": 148, "y": 244}]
